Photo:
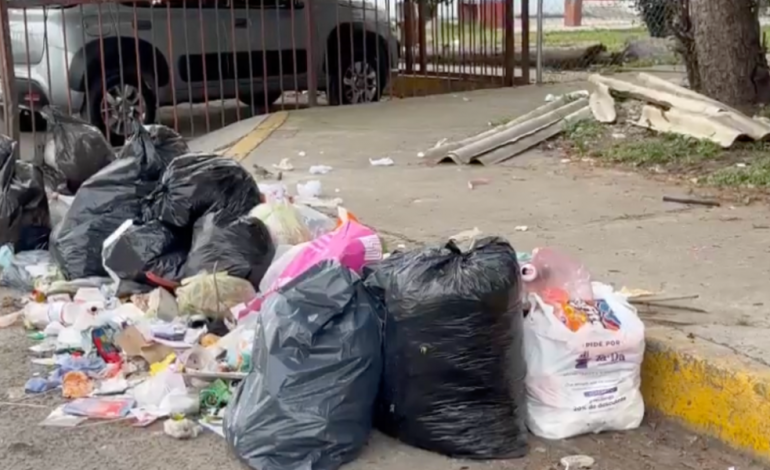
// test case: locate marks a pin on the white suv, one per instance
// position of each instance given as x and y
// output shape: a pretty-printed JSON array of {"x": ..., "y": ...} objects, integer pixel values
[{"x": 120, "y": 61}]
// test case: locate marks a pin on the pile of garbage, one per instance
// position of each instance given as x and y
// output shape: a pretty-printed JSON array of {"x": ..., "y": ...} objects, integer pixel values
[{"x": 174, "y": 289}]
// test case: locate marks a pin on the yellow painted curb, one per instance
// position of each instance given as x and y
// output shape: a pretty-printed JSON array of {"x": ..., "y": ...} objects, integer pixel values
[
  {"x": 709, "y": 388},
  {"x": 243, "y": 147}
]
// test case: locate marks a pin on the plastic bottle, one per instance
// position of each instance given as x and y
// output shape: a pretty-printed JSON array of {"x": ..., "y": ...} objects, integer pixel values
[{"x": 551, "y": 269}]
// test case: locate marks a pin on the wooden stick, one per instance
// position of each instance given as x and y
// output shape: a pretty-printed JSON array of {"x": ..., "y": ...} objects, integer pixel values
[{"x": 684, "y": 200}]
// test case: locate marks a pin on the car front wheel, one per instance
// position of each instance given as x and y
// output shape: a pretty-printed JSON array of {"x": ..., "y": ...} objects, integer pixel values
[
  {"x": 359, "y": 78},
  {"x": 116, "y": 105}
]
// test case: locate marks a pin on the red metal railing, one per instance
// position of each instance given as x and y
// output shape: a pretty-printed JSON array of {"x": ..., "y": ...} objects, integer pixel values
[{"x": 197, "y": 65}]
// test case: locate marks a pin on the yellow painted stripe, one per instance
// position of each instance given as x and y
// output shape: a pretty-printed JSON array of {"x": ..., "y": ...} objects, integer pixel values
[
  {"x": 243, "y": 147},
  {"x": 710, "y": 388}
]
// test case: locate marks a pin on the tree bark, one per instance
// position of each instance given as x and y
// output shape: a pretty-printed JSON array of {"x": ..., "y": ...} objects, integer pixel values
[{"x": 732, "y": 66}]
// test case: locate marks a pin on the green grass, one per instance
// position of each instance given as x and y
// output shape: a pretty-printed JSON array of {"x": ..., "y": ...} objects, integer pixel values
[
  {"x": 713, "y": 165},
  {"x": 447, "y": 33},
  {"x": 583, "y": 135},
  {"x": 663, "y": 149},
  {"x": 755, "y": 175}
]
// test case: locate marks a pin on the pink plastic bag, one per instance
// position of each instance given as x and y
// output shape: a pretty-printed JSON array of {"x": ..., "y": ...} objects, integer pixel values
[{"x": 352, "y": 244}]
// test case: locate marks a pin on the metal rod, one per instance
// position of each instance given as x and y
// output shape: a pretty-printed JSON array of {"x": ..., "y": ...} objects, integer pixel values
[{"x": 539, "y": 46}]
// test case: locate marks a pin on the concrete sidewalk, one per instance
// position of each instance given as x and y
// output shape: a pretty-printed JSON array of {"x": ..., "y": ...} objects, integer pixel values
[{"x": 614, "y": 222}]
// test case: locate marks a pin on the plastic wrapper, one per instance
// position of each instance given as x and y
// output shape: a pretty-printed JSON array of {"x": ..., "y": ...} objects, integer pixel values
[
  {"x": 242, "y": 248},
  {"x": 284, "y": 221},
  {"x": 24, "y": 215},
  {"x": 28, "y": 270},
  {"x": 318, "y": 224},
  {"x": 75, "y": 148},
  {"x": 307, "y": 402},
  {"x": 102, "y": 204},
  {"x": 454, "y": 373},
  {"x": 194, "y": 185},
  {"x": 133, "y": 251},
  {"x": 212, "y": 295},
  {"x": 583, "y": 380}
]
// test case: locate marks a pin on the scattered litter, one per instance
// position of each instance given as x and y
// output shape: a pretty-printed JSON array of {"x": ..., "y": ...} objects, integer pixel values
[
  {"x": 213, "y": 295},
  {"x": 521, "y": 228},
  {"x": 387, "y": 161},
  {"x": 320, "y": 169},
  {"x": 284, "y": 165},
  {"x": 309, "y": 189},
  {"x": 181, "y": 429},
  {"x": 301, "y": 153},
  {"x": 466, "y": 236},
  {"x": 576, "y": 462},
  {"x": 420, "y": 154},
  {"x": 472, "y": 184},
  {"x": 100, "y": 407},
  {"x": 618, "y": 135},
  {"x": 76, "y": 385},
  {"x": 58, "y": 418}
]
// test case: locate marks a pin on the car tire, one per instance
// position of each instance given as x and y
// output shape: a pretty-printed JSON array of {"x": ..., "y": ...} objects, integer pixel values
[
  {"x": 112, "y": 84},
  {"x": 354, "y": 63}
]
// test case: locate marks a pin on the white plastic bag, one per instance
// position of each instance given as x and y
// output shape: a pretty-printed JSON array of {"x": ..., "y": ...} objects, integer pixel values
[
  {"x": 585, "y": 381},
  {"x": 284, "y": 221}
]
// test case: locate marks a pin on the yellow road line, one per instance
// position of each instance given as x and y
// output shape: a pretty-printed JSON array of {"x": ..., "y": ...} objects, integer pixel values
[
  {"x": 243, "y": 147},
  {"x": 709, "y": 388}
]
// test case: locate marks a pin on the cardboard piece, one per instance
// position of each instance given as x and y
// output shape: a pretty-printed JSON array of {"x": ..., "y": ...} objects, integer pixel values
[{"x": 133, "y": 344}]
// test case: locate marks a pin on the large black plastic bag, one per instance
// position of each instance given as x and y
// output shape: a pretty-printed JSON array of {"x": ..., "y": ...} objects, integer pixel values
[
  {"x": 75, "y": 148},
  {"x": 24, "y": 216},
  {"x": 453, "y": 380},
  {"x": 162, "y": 141},
  {"x": 244, "y": 248},
  {"x": 102, "y": 204},
  {"x": 307, "y": 403},
  {"x": 194, "y": 185},
  {"x": 135, "y": 250}
]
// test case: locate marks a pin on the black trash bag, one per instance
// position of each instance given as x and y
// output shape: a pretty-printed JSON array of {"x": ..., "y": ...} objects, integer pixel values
[
  {"x": 244, "y": 248},
  {"x": 454, "y": 371},
  {"x": 102, "y": 204},
  {"x": 161, "y": 140},
  {"x": 24, "y": 216},
  {"x": 307, "y": 403},
  {"x": 75, "y": 148},
  {"x": 136, "y": 250},
  {"x": 194, "y": 185}
]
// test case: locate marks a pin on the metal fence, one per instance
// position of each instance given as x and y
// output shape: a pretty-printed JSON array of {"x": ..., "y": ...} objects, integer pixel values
[{"x": 197, "y": 65}]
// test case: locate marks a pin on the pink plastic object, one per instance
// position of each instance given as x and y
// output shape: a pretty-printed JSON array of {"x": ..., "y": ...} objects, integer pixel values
[
  {"x": 352, "y": 244},
  {"x": 558, "y": 272}
]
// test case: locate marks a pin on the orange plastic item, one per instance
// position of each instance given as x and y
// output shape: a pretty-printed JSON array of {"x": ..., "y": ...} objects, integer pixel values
[
  {"x": 344, "y": 215},
  {"x": 76, "y": 385}
]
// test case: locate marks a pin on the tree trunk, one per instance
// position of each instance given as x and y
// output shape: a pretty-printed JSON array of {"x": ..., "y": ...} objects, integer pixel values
[{"x": 732, "y": 66}]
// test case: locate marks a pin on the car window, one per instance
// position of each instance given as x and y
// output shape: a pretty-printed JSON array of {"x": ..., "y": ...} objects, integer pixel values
[
  {"x": 189, "y": 4},
  {"x": 266, "y": 4}
]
